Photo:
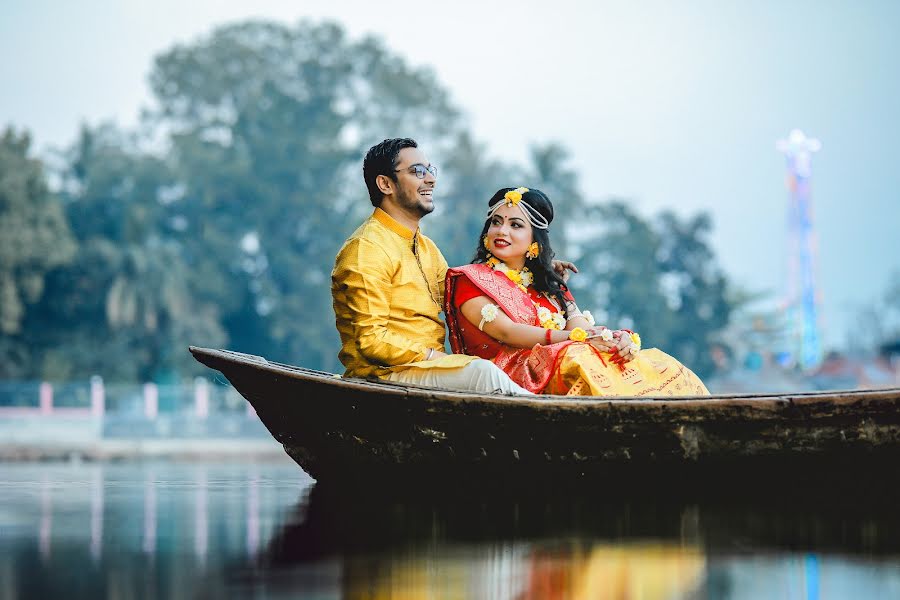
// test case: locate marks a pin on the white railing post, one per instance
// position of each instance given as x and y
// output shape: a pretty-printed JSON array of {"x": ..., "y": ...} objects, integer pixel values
[
  {"x": 46, "y": 397},
  {"x": 151, "y": 401},
  {"x": 201, "y": 397},
  {"x": 98, "y": 396}
]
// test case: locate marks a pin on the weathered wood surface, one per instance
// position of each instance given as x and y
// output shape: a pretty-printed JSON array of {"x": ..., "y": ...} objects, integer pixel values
[{"x": 336, "y": 428}]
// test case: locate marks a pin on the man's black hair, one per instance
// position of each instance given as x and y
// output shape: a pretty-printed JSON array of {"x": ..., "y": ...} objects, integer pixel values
[{"x": 381, "y": 159}]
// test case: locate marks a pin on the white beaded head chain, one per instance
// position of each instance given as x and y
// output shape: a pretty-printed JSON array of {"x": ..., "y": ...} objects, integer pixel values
[{"x": 514, "y": 198}]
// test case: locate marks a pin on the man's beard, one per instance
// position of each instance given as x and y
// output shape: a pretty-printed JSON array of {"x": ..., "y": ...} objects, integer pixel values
[{"x": 415, "y": 203}]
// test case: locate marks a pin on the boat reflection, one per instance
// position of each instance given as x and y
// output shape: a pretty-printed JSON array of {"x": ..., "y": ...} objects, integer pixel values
[
  {"x": 182, "y": 531},
  {"x": 387, "y": 545},
  {"x": 532, "y": 571}
]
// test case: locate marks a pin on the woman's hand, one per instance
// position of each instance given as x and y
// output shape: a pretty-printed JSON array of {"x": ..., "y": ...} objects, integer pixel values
[
  {"x": 625, "y": 346},
  {"x": 598, "y": 342}
]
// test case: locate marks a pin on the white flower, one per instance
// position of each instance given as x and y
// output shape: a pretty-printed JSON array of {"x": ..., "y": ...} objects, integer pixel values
[
  {"x": 489, "y": 312},
  {"x": 543, "y": 314},
  {"x": 527, "y": 277},
  {"x": 606, "y": 335},
  {"x": 590, "y": 318},
  {"x": 559, "y": 320}
]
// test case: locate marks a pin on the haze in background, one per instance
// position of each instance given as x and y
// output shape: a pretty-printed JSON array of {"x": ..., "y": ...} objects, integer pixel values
[{"x": 668, "y": 104}]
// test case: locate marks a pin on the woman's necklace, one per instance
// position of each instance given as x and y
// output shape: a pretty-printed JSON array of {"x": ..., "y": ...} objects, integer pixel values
[
  {"x": 524, "y": 278},
  {"x": 521, "y": 277}
]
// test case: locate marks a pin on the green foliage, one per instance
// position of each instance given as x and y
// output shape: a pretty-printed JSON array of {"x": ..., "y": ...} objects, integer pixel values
[
  {"x": 467, "y": 180},
  {"x": 660, "y": 280},
  {"x": 34, "y": 238},
  {"x": 269, "y": 125},
  {"x": 126, "y": 306},
  {"x": 225, "y": 234}
]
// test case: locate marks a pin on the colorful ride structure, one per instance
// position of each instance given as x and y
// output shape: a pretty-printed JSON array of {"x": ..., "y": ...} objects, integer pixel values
[{"x": 802, "y": 301}]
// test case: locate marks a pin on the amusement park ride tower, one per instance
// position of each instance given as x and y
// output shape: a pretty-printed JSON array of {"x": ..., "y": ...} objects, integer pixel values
[{"x": 802, "y": 299}]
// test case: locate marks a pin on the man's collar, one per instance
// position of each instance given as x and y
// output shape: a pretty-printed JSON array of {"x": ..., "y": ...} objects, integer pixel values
[{"x": 392, "y": 224}]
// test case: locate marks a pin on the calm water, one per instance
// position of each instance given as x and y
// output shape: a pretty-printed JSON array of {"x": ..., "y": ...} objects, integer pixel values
[{"x": 151, "y": 530}]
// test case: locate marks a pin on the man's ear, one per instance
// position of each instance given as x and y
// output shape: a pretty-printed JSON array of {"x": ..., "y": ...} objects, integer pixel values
[{"x": 385, "y": 184}]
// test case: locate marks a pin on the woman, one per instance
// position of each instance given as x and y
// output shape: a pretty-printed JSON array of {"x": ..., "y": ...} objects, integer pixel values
[{"x": 511, "y": 307}]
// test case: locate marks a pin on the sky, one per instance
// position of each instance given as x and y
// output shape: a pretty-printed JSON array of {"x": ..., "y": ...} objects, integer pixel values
[{"x": 670, "y": 104}]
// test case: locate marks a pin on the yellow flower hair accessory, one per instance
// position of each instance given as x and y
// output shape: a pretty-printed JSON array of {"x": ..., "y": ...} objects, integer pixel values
[
  {"x": 534, "y": 250},
  {"x": 514, "y": 198}
]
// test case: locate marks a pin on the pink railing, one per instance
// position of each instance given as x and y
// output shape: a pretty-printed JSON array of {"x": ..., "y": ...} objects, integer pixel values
[{"x": 201, "y": 400}]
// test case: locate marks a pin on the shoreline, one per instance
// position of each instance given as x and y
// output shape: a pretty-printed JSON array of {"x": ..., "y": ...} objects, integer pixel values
[{"x": 130, "y": 449}]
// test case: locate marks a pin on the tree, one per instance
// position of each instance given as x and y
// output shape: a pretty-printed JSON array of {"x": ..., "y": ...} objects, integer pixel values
[
  {"x": 468, "y": 178},
  {"x": 620, "y": 278},
  {"x": 34, "y": 239},
  {"x": 695, "y": 286},
  {"x": 548, "y": 171},
  {"x": 268, "y": 125},
  {"x": 659, "y": 278},
  {"x": 124, "y": 306}
]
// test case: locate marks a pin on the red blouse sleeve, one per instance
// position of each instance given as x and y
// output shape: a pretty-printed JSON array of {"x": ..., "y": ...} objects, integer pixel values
[{"x": 465, "y": 291}]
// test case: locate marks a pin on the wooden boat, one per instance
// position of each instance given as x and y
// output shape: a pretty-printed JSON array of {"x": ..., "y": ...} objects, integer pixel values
[{"x": 343, "y": 429}]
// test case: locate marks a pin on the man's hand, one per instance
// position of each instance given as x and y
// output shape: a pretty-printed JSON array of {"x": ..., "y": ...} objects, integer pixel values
[{"x": 562, "y": 268}]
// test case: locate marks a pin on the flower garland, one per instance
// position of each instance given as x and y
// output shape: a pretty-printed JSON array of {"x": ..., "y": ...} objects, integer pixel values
[
  {"x": 549, "y": 319},
  {"x": 522, "y": 278}
]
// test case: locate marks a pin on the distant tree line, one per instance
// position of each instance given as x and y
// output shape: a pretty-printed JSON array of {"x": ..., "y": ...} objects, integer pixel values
[{"x": 217, "y": 221}]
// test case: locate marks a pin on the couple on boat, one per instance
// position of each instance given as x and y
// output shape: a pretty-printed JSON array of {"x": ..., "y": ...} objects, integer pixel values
[{"x": 514, "y": 326}]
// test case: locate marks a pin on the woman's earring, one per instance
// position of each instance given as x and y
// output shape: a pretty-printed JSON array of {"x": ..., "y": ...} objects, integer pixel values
[
  {"x": 534, "y": 251},
  {"x": 485, "y": 242}
]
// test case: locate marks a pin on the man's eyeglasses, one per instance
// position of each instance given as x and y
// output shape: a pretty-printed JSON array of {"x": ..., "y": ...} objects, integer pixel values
[{"x": 419, "y": 170}]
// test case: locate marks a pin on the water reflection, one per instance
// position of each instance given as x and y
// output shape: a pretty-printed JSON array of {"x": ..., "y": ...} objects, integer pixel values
[{"x": 264, "y": 530}]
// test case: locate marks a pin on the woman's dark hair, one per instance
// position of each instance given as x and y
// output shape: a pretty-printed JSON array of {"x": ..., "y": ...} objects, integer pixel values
[
  {"x": 381, "y": 159},
  {"x": 545, "y": 278}
]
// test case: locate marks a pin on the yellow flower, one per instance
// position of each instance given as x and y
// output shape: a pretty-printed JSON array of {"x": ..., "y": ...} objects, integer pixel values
[
  {"x": 515, "y": 276},
  {"x": 578, "y": 335},
  {"x": 513, "y": 197},
  {"x": 493, "y": 262},
  {"x": 636, "y": 339}
]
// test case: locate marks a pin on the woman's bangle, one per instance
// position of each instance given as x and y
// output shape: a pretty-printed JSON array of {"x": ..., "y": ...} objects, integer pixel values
[
  {"x": 548, "y": 338},
  {"x": 430, "y": 354}
]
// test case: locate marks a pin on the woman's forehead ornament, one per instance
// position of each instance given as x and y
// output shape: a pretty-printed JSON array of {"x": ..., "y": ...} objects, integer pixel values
[{"x": 515, "y": 198}]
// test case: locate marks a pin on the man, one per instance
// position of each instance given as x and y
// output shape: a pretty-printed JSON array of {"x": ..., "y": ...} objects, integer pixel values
[{"x": 388, "y": 284}]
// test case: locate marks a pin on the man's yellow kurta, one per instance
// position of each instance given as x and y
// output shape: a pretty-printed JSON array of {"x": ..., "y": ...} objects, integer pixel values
[{"x": 388, "y": 288}]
